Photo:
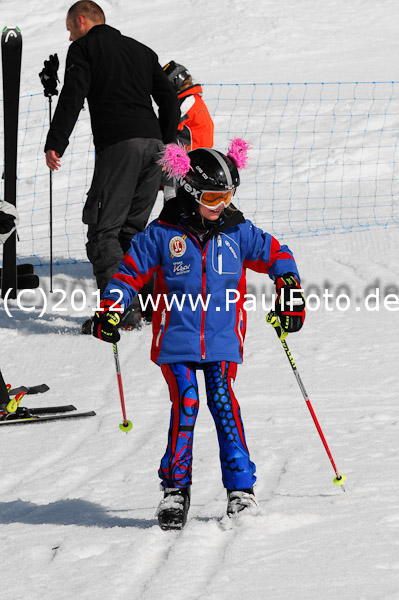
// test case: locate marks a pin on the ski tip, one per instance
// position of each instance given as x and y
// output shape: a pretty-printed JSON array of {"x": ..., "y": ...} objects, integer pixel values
[
  {"x": 11, "y": 28},
  {"x": 340, "y": 480}
]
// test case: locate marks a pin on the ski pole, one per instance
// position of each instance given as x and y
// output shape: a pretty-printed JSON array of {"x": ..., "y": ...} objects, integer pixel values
[
  {"x": 49, "y": 78},
  {"x": 51, "y": 210},
  {"x": 272, "y": 319},
  {"x": 126, "y": 425}
]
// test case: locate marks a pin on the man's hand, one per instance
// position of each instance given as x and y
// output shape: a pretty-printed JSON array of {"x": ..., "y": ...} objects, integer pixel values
[{"x": 53, "y": 160}]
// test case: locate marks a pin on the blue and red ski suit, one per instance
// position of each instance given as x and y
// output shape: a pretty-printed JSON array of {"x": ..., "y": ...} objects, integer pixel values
[{"x": 196, "y": 327}]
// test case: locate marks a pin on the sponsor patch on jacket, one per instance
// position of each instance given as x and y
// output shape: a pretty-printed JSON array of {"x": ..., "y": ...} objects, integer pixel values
[
  {"x": 179, "y": 268},
  {"x": 177, "y": 246}
]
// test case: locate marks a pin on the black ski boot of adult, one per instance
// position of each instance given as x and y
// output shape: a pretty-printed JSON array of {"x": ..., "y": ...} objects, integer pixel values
[
  {"x": 87, "y": 327},
  {"x": 131, "y": 319},
  {"x": 240, "y": 500},
  {"x": 173, "y": 508}
]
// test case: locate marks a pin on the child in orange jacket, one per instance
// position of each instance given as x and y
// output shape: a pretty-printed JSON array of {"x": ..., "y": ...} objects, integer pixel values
[{"x": 196, "y": 128}]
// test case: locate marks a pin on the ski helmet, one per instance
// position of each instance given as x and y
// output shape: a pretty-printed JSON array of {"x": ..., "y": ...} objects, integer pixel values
[
  {"x": 177, "y": 74},
  {"x": 210, "y": 171},
  {"x": 205, "y": 176}
]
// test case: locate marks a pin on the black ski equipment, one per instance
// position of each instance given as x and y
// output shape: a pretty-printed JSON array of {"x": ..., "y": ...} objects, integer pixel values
[
  {"x": 40, "y": 415},
  {"x": 11, "y": 54}
]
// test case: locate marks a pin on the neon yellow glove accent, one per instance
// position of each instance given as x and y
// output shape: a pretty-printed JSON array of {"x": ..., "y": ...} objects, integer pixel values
[
  {"x": 272, "y": 319},
  {"x": 114, "y": 319}
]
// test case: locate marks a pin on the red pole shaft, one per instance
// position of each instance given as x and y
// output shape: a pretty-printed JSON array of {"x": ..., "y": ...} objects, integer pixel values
[
  {"x": 272, "y": 319},
  {"x": 122, "y": 397},
  {"x": 321, "y": 434},
  {"x": 310, "y": 407},
  {"x": 119, "y": 377}
]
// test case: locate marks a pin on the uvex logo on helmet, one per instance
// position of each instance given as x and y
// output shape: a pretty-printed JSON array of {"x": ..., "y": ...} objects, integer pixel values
[{"x": 189, "y": 188}]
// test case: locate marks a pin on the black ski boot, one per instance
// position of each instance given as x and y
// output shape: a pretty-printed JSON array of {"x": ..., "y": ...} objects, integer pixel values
[
  {"x": 87, "y": 327},
  {"x": 131, "y": 319},
  {"x": 240, "y": 500},
  {"x": 173, "y": 508},
  {"x": 10, "y": 409}
]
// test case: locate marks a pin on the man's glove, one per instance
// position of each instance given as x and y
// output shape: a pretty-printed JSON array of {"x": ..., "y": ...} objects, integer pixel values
[
  {"x": 290, "y": 303},
  {"x": 48, "y": 76},
  {"x": 106, "y": 322}
]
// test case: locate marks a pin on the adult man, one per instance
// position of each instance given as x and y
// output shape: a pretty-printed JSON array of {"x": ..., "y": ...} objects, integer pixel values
[{"x": 119, "y": 77}]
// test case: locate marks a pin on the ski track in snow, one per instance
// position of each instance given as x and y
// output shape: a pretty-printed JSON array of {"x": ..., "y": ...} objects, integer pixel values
[
  {"x": 78, "y": 506},
  {"x": 89, "y": 500}
]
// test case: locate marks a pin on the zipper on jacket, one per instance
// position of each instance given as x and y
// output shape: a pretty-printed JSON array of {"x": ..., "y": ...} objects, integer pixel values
[
  {"x": 220, "y": 263},
  {"x": 203, "y": 292},
  {"x": 163, "y": 319}
]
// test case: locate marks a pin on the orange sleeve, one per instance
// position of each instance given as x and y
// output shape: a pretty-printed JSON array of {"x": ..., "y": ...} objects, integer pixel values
[{"x": 200, "y": 124}]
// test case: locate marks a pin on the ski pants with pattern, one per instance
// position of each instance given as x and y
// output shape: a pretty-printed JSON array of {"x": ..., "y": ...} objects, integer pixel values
[{"x": 238, "y": 472}]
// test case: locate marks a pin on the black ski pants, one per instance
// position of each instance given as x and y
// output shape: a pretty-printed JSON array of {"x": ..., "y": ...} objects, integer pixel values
[{"x": 123, "y": 191}]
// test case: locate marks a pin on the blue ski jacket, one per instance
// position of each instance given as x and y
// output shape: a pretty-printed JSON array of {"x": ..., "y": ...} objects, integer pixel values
[{"x": 199, "y": 289}]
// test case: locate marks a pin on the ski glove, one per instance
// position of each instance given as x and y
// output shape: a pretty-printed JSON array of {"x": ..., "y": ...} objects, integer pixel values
[
  {"x": 290, "y": 303},
  {"x": 7, "y": 222},
  {"x": 48, "y": 76},
  {"x": 106, "y": 322}
]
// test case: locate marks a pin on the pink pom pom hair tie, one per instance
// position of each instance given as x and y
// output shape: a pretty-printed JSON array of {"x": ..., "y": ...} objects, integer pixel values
[
  {"x": 238, "y": 152},
  {"x": 175, "y": 160}
]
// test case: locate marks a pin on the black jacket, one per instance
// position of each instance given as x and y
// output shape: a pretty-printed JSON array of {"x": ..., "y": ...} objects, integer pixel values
[{"x": 118, "y": 76}]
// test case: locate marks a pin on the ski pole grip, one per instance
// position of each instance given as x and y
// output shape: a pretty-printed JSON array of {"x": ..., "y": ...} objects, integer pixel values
[{"x": 272, "y": 319}]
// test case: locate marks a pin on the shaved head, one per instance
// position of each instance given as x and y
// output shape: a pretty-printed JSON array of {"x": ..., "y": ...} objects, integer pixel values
[{"x": 88, "y": 9}]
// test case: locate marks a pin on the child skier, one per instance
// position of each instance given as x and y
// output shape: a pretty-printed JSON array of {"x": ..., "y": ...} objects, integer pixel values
[
  {"x": 195, "y": 129},
  {"x": 199, "y": 248}
]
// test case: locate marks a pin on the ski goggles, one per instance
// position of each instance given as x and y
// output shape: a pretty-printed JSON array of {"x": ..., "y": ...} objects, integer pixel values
[{"x": 215, "y": 199}]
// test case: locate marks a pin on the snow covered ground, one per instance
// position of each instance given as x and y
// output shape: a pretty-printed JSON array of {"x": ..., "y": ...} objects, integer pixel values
[{"x": 77, "y": 499}]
